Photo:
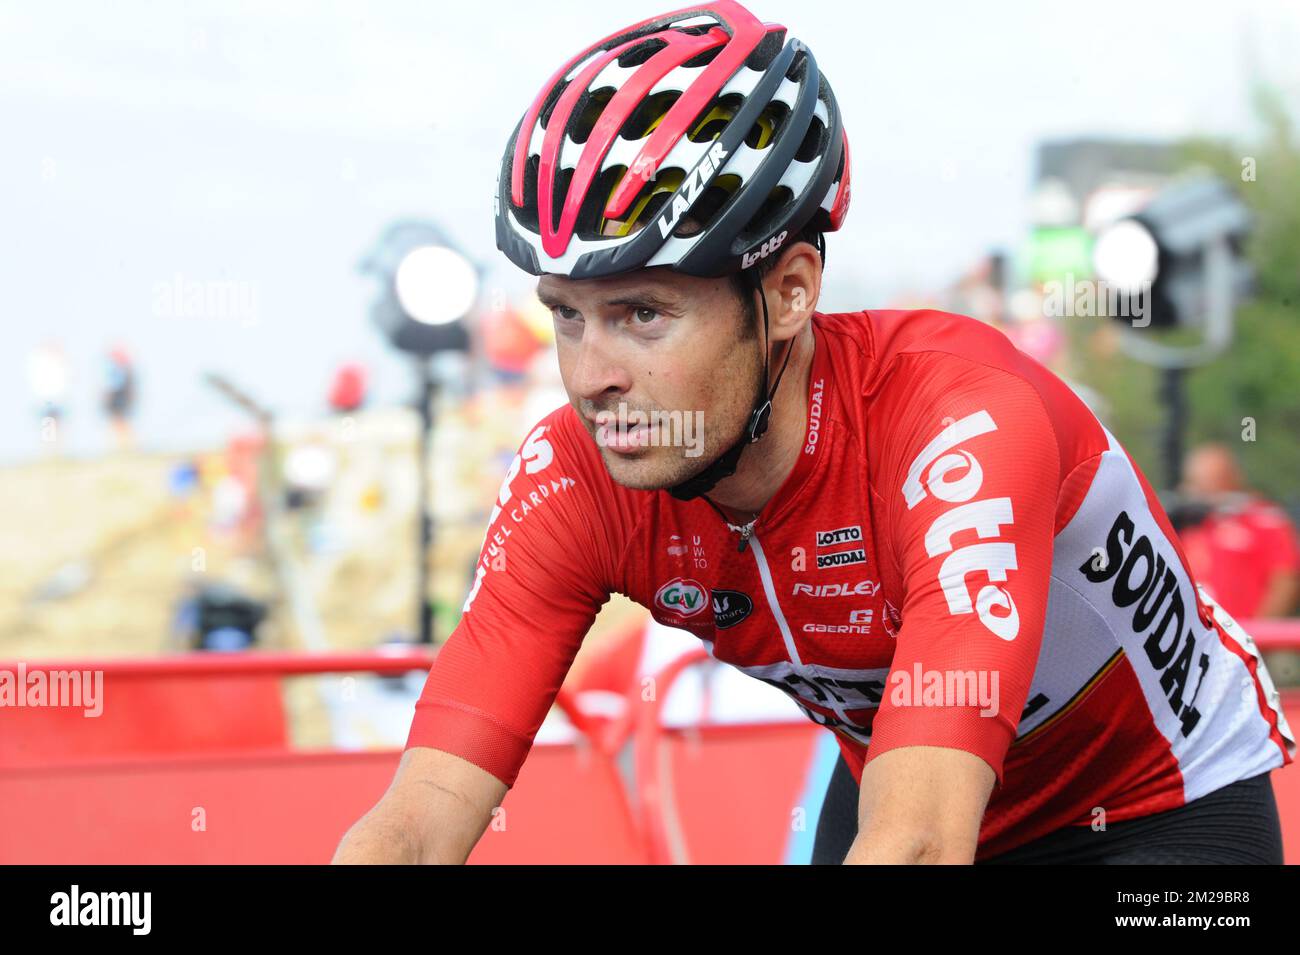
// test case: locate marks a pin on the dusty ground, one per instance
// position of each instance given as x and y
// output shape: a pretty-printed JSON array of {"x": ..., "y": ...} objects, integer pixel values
[{"x": 95, "y": 555}]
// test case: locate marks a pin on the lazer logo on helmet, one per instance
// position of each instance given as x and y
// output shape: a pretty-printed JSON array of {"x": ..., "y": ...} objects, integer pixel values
[
  {"x": 955, "y": 476},
  {"x": 767, "y": 248},
  {"x": 682, "y": 596},
  {"x": 691, "y": 190}
]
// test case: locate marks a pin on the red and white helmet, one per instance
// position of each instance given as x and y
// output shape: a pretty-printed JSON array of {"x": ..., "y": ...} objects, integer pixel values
[{"x": 698, "y": 140}]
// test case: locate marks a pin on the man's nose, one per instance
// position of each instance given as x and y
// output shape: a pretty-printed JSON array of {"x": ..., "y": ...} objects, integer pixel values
[{"x": 598, "y": 369}]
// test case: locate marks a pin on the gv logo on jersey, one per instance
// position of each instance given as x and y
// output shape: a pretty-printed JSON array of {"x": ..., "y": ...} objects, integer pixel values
[
  {"x": 955, "y": 476},
  {"x": 682, "y": 596}
]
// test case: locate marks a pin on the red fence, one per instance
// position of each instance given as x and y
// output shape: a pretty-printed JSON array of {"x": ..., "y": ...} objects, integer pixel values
[{"x": 191, "y": 763}]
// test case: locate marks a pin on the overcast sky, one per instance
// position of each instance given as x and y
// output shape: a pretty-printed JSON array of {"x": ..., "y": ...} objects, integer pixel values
[{"x": 267, "y": 144}]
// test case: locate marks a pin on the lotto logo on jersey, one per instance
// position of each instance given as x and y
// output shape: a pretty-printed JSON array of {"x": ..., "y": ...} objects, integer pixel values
[
  {"x": 837, "y": 538},
  {"x": 955, "y": 476},
  {"x": 682, "y": 596}
]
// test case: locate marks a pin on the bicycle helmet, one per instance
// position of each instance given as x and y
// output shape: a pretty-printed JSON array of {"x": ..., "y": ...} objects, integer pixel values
[
  {"x": 705, "y": 116},
  {"x": 699, "y": 140}
]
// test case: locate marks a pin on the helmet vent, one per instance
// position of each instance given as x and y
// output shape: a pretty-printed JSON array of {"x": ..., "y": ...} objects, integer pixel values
[
  {"x": 813, "y": 142},
  {"x": 701, "y": 214},
  {"x": 648, "y": 114},
  {"x": 641, "y": 52},
  {"x": 588, "y": 112},
  {"x": 544, "y": 116},
  {"x": 703, "y": 59},
  {"x": 769, "y": 212}
]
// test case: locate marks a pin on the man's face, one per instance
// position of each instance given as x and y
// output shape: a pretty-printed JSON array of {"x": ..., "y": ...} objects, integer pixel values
[{"x": 655, "y": 365}]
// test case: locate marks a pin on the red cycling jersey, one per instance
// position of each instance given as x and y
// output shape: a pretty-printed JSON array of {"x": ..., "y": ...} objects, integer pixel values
[{"x": 962, "y": 556}]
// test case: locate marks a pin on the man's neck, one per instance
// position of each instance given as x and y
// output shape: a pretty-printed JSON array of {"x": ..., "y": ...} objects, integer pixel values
[{"x": 766, "y": 464}]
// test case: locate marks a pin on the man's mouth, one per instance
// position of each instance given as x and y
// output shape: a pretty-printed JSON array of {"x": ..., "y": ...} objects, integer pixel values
[{"x": 624, "y": 440}]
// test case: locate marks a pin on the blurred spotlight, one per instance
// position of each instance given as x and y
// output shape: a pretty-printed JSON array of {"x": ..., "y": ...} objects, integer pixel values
[
  {"x": 1125, "y": 256},
  {"x": 1177, "y": 262},
  {"x": 1174, "y": 272},
  {"x": 428, "y": 288}
]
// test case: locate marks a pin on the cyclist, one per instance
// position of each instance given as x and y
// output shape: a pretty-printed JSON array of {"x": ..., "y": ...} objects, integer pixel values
[{"x": 908, "y": 525}]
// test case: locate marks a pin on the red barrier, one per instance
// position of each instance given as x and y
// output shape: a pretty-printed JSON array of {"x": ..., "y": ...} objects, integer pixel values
[
  {"x": 189, "y": 763},
  {"x": 177, "y": 769},
  {"x": 184, "y": 704}
]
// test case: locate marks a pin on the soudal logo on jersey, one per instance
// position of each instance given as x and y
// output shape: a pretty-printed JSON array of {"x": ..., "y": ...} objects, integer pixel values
[
  {"x": 863, "y": 588},
  {"x": 682, "y": 596},
  {"x": 696, "y": 180},
  {"x": 841, "y": 558},
  {"x": 814, "y": 417},
  {"x": 730, "y": 607},
  {"x": 1144, "y": 579},
  {"x": 955, "y": 476},
  {"x": 838, "y": 537}
]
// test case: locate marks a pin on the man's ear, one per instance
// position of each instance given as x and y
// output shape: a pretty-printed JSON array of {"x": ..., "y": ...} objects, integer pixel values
[{"x": 792, "y": 289}]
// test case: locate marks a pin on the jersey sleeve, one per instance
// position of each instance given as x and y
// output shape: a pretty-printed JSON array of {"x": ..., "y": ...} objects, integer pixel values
[
  {"x": 971, "y": 489},
  {"x": 541, "y": 578}
]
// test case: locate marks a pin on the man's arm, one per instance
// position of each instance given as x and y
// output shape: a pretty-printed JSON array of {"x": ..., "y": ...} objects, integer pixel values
[
  {"x": 1281, "y": 595},
  {"x": 435, "y": 811},
  {"x": 971, "y": 498},
  {"x": 921, "y": 804}
]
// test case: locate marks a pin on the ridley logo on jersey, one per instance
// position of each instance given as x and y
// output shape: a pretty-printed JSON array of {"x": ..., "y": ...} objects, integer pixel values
[
  {"x": 938, "y": 462},
  {"x": 863, "y": 588},
  {"x": 682, "y": 596}
]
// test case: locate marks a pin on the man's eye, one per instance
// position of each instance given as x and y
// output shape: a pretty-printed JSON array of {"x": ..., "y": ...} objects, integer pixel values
[
  {"x": 564, "y": 313},
  {"x": 644, "y": 315}
]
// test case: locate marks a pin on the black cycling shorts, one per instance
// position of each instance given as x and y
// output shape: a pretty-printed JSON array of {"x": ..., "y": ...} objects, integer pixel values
[{"x": 1235, "y": 825}]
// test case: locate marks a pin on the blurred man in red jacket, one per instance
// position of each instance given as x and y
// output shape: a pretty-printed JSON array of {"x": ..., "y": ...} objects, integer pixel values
[{"x": 1244, "y": 552}]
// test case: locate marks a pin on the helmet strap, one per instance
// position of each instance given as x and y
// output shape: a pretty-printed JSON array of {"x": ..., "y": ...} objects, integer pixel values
[{"x": 759, "y": 417}]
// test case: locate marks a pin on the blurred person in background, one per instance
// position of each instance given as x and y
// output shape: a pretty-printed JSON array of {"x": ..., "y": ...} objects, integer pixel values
[
  {"x": 47, "y": 377},
  {"x": 1244, "y": 549},
  {"x": 119, "y": 396}
]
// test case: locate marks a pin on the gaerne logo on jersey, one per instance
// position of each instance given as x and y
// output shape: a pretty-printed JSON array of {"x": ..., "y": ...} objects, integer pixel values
[
  {"x": 955, "y": 476},
  {"x": 814, "y": 417},
  {"x": 696, "y": 180},
  {"x": 682, "y": 596}
]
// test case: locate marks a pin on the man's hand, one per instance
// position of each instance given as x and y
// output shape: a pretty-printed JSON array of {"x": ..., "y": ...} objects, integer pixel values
[
  {"x": 434, "y": 812},
  {"x": 921, "y": 804}
]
